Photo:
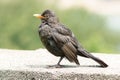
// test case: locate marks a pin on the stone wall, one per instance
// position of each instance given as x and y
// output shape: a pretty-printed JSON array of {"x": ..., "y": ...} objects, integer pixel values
[{"x": 34, "y": 65}]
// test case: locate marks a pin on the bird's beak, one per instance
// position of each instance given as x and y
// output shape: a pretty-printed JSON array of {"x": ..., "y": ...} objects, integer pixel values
[{"x": 39, "y": 16}]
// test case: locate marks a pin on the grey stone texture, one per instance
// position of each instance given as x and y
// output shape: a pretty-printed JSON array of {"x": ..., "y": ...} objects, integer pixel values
[{"x": 34, "y": 65}]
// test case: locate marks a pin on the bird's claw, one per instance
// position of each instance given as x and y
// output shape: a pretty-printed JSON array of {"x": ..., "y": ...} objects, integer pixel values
[{"x": 55, "y": 66}]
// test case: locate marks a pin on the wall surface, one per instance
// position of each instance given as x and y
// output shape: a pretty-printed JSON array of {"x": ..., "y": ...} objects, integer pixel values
[{"x": 34, "y": 65}]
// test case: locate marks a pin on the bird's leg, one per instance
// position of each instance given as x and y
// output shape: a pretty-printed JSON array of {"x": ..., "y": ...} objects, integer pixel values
[
  {"x": 60, "y": 61},
  {"x": 58, "y": 64}
]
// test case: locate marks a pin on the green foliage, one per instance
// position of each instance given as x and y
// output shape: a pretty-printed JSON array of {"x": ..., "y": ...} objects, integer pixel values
[{"x": 19, "y": 29}]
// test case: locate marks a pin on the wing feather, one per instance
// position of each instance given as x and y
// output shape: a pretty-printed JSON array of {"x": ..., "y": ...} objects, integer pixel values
[{"x": 67, "y": 46}]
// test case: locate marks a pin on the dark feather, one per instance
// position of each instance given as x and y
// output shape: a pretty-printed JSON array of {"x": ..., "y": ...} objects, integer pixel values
[{"x": 60, "y": 41}]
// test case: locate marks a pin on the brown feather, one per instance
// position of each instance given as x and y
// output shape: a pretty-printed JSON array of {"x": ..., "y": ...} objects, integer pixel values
[
  {"x": 60, "y": 40},
  {"x": 70, "y": 52}
]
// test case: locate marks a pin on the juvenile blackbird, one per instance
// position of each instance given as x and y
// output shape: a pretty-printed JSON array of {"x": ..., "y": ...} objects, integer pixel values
[{"x": 60, "y": 41}]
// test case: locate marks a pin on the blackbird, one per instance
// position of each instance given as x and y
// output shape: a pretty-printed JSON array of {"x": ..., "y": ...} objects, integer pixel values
[{"x": 60, "y": 41}]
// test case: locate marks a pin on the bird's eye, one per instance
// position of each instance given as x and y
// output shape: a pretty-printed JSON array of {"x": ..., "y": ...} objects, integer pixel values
[{"x": 46, "y": 16}]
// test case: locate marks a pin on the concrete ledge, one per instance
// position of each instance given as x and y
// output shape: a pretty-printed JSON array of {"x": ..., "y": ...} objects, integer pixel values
[{"x": 33, "y": 65}]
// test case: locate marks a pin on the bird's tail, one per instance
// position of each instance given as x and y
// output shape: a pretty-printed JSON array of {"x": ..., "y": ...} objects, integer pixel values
[
  {"x": 86, "y": 54},
  {"x": 102, "y": 63}
]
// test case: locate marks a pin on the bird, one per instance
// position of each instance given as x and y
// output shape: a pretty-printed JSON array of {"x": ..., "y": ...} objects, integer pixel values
[{"x": 60, "y": 41}]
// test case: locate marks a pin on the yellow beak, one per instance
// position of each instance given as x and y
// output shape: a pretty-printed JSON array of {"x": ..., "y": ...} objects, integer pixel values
[{"x": 39, "y": 16}]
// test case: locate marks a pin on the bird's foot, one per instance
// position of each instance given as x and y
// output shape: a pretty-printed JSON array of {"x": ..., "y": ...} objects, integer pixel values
[{"x": 55, "y": 66}]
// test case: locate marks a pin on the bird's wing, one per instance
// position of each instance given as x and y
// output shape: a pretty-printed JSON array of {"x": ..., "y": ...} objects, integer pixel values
[
  {"x": 66, "y": 31},
  {"x": 65, "y": 41},
  {"x": 72, "y": 39}
]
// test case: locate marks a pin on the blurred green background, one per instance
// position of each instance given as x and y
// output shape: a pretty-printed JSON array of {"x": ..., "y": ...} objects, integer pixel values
[{"x": 19, "y": 29}]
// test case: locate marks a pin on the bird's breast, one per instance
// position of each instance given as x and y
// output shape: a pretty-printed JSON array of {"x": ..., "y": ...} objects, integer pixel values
[{"x": 44, "y": 32}]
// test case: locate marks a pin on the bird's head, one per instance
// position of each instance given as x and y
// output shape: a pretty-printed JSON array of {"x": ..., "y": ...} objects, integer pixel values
[{"x": 47, "y": 16}]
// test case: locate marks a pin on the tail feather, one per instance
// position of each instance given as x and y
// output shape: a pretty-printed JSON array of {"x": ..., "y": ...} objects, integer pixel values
[
  {"x": 86, "y": 54},
  {"x": 102, "y": 63}
]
